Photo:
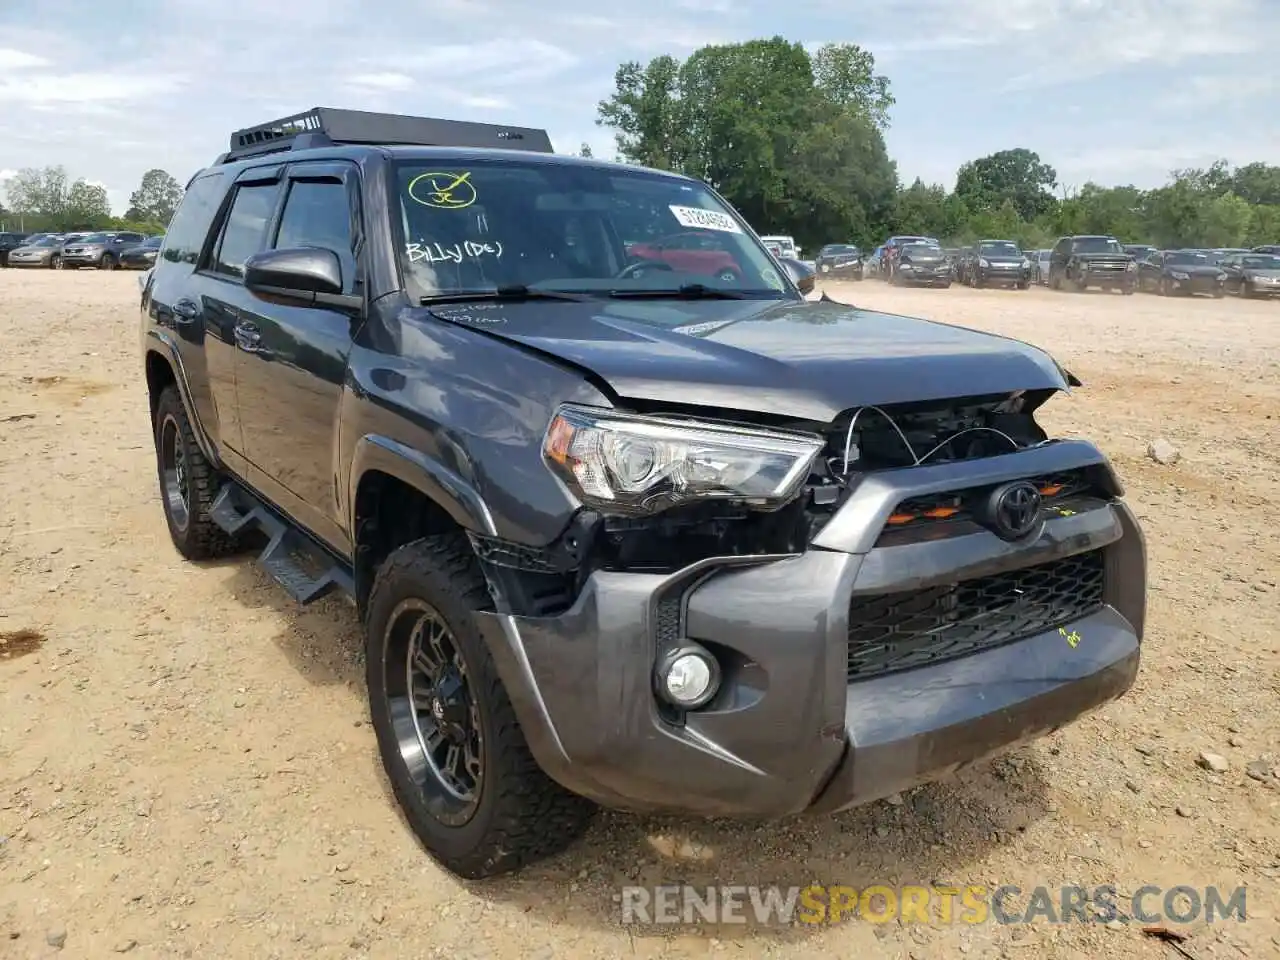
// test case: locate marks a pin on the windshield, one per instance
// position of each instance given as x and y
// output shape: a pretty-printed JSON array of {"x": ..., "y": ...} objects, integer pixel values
[
  {"x": 838, "y": 249},
  {"x": 921, "y": 250},
  {"x": 47, "y": 242},
  {"x": 569, "y": 227},
  {"x": 92, "y": 238},
  {"x": 1258, "y": 261},
  {"x": 1001, "y": 249},
  {"x": 153, "y": 243},
  {"x": 1187, "y": 258},
  {"x": 1096, "y": 245}
]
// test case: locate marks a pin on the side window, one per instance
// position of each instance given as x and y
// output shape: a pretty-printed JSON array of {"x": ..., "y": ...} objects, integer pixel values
[
  {"x": 245, "y": 230},
  {"x": 190, "y": 224},
  {"x": 317, "y": 213}
]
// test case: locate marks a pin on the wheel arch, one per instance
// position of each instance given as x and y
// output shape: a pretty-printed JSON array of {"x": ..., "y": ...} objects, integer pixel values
[
  {"x": 164, "y": 369},
  {"x": 397, "y": 495}
]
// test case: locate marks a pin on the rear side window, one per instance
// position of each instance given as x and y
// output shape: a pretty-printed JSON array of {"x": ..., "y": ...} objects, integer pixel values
[
  {"x": 190, "y": 225},
  {"x": 245, "y": 230}
]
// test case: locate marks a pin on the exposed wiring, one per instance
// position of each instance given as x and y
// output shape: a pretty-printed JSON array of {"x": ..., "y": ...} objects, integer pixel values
[
  {"x": 848, "y": 438},
  {"x": 1012, "y": 442}
]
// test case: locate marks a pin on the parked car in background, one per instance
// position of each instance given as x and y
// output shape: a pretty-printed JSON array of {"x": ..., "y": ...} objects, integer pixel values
[
  {"x": 842, "y": 261},
  {"x": 695, "y": 251},
  {"x": 100, "y": 250},
  {"x": 999, "y": 262},
  {"x": 874, "y": 263},
  {"x": 773, "y": 247},
  {"x": 1083, "y": 261},
  {"x": 11, "y": 241},
  {"x": 143, "y": 255},
  {"x": 1040, "y": 266},
  {"x": 786, "y": 244},
  {"x": 1180, "y": 273},
  {"x": 921, "y": 264},
  {"x": 1273, "y": 248},
  {"x": 1140, "y": 251},
  {"x": 44, "y": 252},
  {"x": 1252, "y": 274},
  {"x": 892, "y": 248}
]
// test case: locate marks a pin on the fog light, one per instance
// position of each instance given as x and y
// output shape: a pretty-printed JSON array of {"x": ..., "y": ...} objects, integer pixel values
[{"x": 688, "y": 676}]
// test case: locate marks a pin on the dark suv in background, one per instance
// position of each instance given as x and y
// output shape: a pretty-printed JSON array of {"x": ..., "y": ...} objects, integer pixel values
[
  {"x": 619, "y": 530},
  {"x": 1080, "y": 262},
  {"x": 996, "y": 263},
  {"x": 10, "y": 241},
  {"x": 840, "y": 261}
]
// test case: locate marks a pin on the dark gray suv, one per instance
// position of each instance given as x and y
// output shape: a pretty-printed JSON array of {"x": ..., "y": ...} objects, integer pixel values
[{"x": 620, "y": 531}]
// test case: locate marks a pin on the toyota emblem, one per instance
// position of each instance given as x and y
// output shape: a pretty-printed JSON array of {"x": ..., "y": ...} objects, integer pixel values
[{"x": 1014, "y": 510}]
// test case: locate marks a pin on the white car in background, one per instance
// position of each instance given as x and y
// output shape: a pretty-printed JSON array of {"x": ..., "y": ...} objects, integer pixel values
[{"x": 786, "y": 245}]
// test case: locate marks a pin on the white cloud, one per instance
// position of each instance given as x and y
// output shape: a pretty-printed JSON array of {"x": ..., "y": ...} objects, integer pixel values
[
  {"x": 18, "y": 60},
  {"x": 8, "y": 174},
  {"x": 49, "y": 88},
  {"x": 383, "y": 81}
]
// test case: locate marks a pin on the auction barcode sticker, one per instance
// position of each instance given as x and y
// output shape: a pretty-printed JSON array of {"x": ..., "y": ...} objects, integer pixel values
[{"x": 699, "y": 219}]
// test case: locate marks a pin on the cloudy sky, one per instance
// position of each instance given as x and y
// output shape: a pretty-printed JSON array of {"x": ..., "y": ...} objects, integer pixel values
[{"x": 1108, "y": 90}]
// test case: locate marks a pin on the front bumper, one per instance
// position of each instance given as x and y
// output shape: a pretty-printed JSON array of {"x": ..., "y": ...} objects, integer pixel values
[
  {"x": 841, "y": 271},
  {"x": 993, "y": 275},
  {"x": 1195, "y": 284},
  {"x": 790, "y": 732},
  {"x": 28, "y": 261},
  {"x": 931, "y": 275},
  {"x": 72, "y": 260},
  {"x": 1107, "y": 279}
]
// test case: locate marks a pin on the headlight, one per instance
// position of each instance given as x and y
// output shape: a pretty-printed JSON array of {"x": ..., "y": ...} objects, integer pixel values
[
  {"x": 1179, "y": 275},
  {"x": 1026, "y": 264},
  {"x": 1220, "y": 277},
  {"x": 626, "y": 464},
  {"x": 1131, "y": 266},
  {"x": 982, "y": 262}
]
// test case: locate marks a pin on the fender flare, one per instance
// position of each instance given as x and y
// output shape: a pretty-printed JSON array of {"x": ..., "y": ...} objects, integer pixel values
[
  {"x": 452, "y": 493},
  {"x": 161, "y": 344}
]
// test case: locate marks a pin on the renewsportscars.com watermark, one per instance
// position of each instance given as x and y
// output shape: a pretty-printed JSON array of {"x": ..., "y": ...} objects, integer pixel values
[{"x": 967, "y": 904}]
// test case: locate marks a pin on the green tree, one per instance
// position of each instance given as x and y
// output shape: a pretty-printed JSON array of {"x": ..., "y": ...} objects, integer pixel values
[
  {"x": 585, "y": 150},
  {"x": 155, "y": 199},
  {"x": 1017, "y": 175},
  {"x": 792, "y": 141},
  {"x": 39, "y": 191},
  {"x": 87, "y": 206}
]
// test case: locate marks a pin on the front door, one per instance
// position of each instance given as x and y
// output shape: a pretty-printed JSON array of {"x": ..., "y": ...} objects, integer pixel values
[{"x": 293, "y": 358}]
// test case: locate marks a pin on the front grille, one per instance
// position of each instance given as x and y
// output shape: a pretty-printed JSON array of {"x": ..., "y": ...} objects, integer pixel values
[
  {"x": 900, "y": 631},
  {"x": 958, "y": 505}
]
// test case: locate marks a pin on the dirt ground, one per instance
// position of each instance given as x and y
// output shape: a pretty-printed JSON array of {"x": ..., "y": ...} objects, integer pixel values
[{"x": 186, "y": 769}]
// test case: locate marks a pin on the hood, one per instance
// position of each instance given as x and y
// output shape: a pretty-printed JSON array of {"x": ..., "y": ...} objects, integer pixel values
[
  {"x": 807, "y": 360},
  {"x": 1258, "y": 272},
  {"x": 924, "y": 257},
  {"x": 1194, "y": 269},
  {"x": 1003, "y": 258}
]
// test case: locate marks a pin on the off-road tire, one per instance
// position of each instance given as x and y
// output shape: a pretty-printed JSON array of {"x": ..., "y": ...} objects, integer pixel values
[
  {"x": 199, "y": 538},
  {"x": 522, "y": 815}
]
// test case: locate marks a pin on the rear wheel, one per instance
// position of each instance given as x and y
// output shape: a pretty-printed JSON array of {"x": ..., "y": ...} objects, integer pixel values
[
  {"x": 188, "y": 483},
  {"x": 452, "y": 748}
]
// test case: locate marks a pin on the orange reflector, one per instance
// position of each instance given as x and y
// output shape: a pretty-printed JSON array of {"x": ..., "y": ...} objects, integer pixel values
[
  {"x": 559, "y": 437},
  {"x": 1050, "y": 490},
  {"x": 941, "y": 513},
  {"x": 899, "y": 518}
]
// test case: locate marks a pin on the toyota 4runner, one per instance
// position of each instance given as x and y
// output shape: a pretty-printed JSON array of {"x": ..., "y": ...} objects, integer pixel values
[{"x": 619, "y": 532}]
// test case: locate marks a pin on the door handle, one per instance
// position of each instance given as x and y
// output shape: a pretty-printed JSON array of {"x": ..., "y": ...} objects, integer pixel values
[
  {"x": 247, "y": 337},
  {"x": 186, "y": 310}
]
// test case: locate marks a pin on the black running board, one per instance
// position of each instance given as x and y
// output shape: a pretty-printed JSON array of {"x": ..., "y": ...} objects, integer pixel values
[{"x": 305, "y": 570}]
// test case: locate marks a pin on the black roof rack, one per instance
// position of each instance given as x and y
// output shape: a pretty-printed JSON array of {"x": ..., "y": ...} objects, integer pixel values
[{"x": 326, "y": 126}]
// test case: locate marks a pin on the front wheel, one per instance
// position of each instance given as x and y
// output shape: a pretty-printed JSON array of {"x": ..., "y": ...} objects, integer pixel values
[
  {"x": 1024, "y": 284},
  {"x": 452, "y": 748},
  {"x": 107, "y": 262},
  {"x": 55, "y": 262}
]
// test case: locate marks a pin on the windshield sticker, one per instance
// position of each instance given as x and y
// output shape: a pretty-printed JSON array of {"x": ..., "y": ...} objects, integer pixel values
[
  {"x": 698, "y": 219},
  {"x": 771, "y": 278},
  {"x": 451, "y": 253},
  {"x": 444, "y": 191}
]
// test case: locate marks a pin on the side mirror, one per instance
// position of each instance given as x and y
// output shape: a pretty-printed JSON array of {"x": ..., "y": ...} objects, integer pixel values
[
  {"x": 309, "y": 274},
  {"x": 805, "y": 278}
]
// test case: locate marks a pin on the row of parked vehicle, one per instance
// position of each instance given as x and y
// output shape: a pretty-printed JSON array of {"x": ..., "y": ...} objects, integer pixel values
[
  {"x": 1073, "y": 263},
  {"x": 102, "y": 250}
]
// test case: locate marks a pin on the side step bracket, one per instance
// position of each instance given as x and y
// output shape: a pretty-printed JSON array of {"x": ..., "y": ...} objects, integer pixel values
[{"x": 304, "y": 569}]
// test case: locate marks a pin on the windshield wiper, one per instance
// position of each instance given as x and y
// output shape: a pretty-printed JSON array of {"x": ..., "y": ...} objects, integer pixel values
[
  {"x": 690, "y": 291},
  {"x": 515, "y": 293}
]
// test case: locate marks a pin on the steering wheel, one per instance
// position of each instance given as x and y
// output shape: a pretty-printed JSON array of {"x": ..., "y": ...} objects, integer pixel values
[{"x": 635, "y": 269}]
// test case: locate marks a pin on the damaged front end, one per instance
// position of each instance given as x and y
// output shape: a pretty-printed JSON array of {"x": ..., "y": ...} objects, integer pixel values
[{"x": 662, "y": 490}]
